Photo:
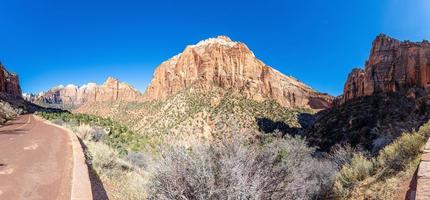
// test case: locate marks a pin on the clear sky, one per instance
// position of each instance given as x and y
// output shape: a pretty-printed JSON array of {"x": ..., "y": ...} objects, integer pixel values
[{"x": 52, "y": 42}]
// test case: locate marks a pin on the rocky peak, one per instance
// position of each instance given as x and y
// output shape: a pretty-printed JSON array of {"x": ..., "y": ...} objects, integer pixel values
[
  {"x": 383, "y": 42},
  {"x": 392, "y": 66},
  {"x": 111, "y": 82},
  {"x": 221, "y": 62},
  {"x": 220, "y": 40},
  {"x": 71, "y": 95},
  {"x": 223, "y": 37}
]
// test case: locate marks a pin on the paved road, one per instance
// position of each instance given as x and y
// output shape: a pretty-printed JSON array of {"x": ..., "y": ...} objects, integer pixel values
[{"x": 35, "y": 160}]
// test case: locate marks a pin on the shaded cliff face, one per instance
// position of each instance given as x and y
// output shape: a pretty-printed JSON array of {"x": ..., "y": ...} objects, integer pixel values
[
  {"x": 71, "y": 95},
  {"x": 223, "y": 63},
  {"x": 11, "y": 101},
  {"x": 9, "y": 83},
  {"x": 392, "y": 66}
]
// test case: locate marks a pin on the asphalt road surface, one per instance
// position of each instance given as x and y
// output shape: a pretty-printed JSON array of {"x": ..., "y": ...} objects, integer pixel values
[{"x": 35, "y": 160}]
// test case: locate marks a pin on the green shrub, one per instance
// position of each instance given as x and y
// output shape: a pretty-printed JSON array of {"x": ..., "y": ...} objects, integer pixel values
[
  {"x": 350, "y": 174},
  {"x": 396, "y": 156},
  {"x": 119, "y": 136},
  {"x": 399, "y": 157}
]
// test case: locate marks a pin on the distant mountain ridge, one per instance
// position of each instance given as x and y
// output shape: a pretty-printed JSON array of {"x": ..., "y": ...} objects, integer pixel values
[
  {"x": 209, "y": 88},
  {"x": 212, "y": 63},
  {"x": 73, "y": 96}
]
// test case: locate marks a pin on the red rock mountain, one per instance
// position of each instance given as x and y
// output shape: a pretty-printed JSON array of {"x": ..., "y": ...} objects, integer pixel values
[
  {"x": 392, "y": 66},
  {"x": 111, "y": 90},
  {"x": 9, "y": 83},
  {"x": 221, "y": 62}
]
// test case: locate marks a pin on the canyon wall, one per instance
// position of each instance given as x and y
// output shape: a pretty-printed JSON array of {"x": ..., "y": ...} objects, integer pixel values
[
  {"x": 392, "y": 66},
  {"x": 9, "y": 83}
]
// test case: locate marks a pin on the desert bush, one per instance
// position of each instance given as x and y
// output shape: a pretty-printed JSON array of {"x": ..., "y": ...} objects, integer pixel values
[
  {"x": 237, "y": 168},
  {"x": 102, "y": 156},
  {"x": 340, "y": 155},
  {"x": 382, "y": 174},
  {"x": 399, "y": 154},
  {"x": 137, "y": 159},
  {"x": 117, "y": 136},
  {"x": 90, "y": 132},
  {"x": 351, "y": 174},
  {"x": 58, "y": 122},
  {"x": 84, "y": 131}
]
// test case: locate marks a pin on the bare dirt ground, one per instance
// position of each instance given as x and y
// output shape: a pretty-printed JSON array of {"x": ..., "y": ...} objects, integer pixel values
[{"x": 35, "y": 160}]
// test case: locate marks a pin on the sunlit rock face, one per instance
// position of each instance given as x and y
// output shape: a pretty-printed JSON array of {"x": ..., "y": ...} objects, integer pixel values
[
  {"x": 392, "y": 66},
  {"x": 110, "y": 90},
  {"x": 221, "y": 62}
]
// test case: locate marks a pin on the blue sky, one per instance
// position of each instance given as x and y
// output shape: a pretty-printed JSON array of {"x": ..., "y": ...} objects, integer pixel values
[{"x": 51, "y": 42}]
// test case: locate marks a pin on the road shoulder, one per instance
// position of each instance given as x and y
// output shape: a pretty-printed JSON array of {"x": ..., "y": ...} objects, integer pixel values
[{"x": 81, "y": 185}]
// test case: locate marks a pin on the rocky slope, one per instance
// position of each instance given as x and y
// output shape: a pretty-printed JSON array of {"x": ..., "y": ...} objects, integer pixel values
[
  {"x": 221, "y": 62},
  {"x": 215, "y": 85},
  {"x": 72, "y": 96},
  {"x": 389, "y": 96},
  {"x": 196, "y": 113}
]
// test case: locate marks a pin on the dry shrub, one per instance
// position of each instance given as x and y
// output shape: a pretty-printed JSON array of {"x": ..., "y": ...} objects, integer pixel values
[
  {"x": 84, "y": 131},
  {"x": 351, "y": 174},
  {"x": 341, "y": 155},
  {"x": 396, "y": 156},
  {"x": 380, "y": 177},
  {"x": 137, "y": 159},
  {"x": 102, "y": 156},
  {"x": 236, "y": 168}
]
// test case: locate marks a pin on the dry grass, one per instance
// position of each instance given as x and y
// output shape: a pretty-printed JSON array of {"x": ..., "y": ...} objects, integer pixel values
[
  {"x": 381, "y": 177},
  {"x": 122, "y": 179}
]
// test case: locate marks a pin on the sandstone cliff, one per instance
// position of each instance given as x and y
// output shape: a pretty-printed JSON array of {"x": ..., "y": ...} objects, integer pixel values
[
  {"x": 389, "y": 96},
  {"x": 71, "y": 95},
  {"x": 11, "y": 101},
  {"x": 9, "y": 83},
  {"x": 392, "y": 66},
  {"x": 223, "y": 63}
]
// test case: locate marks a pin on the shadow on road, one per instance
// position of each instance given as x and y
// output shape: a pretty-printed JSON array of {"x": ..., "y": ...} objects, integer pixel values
[
  {"x": 97, "y": 188},
  {"x": 14, "y": 132},
  {"x": 410, "y": 194},
  {"x": 13, "y": 123}
]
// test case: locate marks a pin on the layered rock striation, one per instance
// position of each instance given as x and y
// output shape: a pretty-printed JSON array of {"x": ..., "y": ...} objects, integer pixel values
[
  {"x": 9, "y": 83},
  {"x": 392, "y": 66},
  {"x": 221, "y": 62},
  {"x": 389, "y": 96}
]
